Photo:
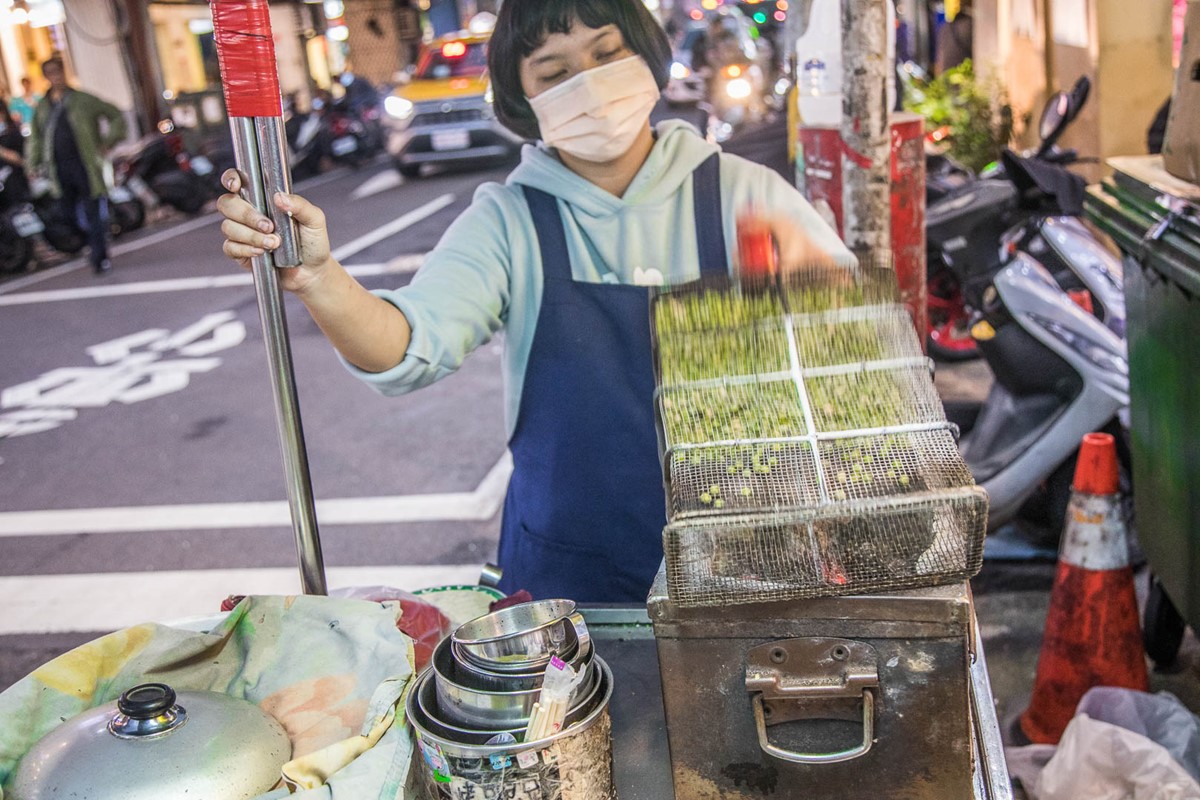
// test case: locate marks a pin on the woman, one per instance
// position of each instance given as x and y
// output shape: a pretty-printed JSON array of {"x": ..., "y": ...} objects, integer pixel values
[
  {"x": 12, "y": 147},
  {"x": 559, "y": 257}
]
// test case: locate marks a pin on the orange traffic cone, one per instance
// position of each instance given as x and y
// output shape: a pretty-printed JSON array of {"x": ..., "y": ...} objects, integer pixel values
[{"x": 1092, "y": 635}]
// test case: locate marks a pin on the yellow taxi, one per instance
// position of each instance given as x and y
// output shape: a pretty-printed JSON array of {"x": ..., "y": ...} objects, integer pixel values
[{"x": 443, "y": 114}]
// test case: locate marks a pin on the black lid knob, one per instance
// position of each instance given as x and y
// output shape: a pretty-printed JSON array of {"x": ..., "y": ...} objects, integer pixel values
[{"x": 146, "y": 701}]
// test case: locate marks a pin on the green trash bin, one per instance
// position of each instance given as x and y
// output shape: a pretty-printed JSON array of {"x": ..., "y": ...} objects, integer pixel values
[{"x": 1155, "y": 219}]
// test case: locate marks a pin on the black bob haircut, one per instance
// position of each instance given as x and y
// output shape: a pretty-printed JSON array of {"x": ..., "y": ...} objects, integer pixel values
[{"x": 523, "y": 26}]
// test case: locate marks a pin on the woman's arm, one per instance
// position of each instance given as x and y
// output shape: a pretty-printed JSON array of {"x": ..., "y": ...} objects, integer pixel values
[{"x": 370, "y": 333}]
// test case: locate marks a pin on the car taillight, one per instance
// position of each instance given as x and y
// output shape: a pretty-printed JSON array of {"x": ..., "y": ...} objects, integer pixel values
[{"x": 340, "y": 126}]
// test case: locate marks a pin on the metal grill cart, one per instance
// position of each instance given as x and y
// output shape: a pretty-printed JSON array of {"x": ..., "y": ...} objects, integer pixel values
[
  {"x": 641, "y": 761},
  {"x": 1155, "y": 219},
  {"x": 814, "y": 626}
]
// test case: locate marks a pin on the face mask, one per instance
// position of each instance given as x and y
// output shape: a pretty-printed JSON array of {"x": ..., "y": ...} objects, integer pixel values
[{"x": 596, "y": 115}]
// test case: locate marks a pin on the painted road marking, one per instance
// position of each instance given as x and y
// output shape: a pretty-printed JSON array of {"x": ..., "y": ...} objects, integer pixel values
[
  {"x": 479, "y": 505},
  {"x": 400, "y": 265},
  {"x": 39, "y": 604},
  {"x": 392, "y": 228},
  {"x": 130, "y": 369},
  {"x": 383, "y": 181}
]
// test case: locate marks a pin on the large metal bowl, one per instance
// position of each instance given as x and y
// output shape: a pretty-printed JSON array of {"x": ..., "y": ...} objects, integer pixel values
[
  {"x": 487, "y": 710},
  {"x": 426, "y": 715},
  {"x": 521, "y": 637}
]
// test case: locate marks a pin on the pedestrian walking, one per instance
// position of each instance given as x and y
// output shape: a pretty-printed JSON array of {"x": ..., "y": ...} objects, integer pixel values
[
  {"x": 23, "y": 104},
  {"x": 12, "y": 150},
  {"x": 71, "y": 131},
  {"x": 560, "y": 257}
]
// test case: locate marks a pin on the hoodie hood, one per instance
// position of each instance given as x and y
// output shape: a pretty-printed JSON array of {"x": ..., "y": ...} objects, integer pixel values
[{"x": 677, "y": 152}]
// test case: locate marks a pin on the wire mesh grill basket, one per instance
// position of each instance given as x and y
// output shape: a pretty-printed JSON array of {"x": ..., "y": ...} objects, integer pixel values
[{"x": 805, "y": 450}]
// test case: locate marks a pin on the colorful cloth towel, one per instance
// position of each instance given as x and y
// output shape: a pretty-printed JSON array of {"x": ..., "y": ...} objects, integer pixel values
[{"x": 332, "y": 671}]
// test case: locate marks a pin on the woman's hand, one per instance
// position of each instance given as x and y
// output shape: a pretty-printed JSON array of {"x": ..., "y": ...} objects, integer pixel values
[
  {"x": 249, "y": 234},
  {"x": 797, "y": 251}
]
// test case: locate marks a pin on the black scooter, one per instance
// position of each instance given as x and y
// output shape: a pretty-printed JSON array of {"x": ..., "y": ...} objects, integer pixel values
[{"x": 966, "y": 229}]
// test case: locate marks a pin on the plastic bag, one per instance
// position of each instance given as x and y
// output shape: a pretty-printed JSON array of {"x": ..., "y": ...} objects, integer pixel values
[
  {"x": 422, "y": 622},
  {"x": 1159, "y": 717},
  {"x": 1100, "y": 761}
]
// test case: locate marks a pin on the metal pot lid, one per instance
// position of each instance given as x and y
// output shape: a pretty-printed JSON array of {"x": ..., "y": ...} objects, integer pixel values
[{"x": 152, "y": 743}]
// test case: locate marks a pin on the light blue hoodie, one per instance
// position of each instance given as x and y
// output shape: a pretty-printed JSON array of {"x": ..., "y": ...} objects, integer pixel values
[{"x": 486, "y": 272}]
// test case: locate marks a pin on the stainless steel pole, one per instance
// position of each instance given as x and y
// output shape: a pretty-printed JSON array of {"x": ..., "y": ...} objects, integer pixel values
[
  {"x": 272, "y": 151},
  {"x": 279, "y": 354}
]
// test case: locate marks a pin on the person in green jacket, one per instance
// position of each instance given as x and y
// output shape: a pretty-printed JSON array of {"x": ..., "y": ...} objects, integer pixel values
[{"x": 67, "y": 144}]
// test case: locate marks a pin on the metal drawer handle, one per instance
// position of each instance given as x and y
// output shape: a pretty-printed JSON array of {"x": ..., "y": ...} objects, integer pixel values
[{"x": 817, "y": 758}]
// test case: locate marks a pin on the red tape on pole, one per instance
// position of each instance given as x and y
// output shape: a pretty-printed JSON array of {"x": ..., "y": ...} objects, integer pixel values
[{"x": 246, "y": 52}]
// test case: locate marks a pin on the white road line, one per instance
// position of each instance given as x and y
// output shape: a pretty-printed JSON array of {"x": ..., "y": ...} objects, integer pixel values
[
  {"x": 381, "y": 182},
  {"x": 115, "y": 251},
  {"x": 37, "y": 604},
  {"x": 392, "y": 228},
  {"x": 479, "y": 505},
  {"x": 176, "y": 230},
  {"x": 400, "y": 265}
]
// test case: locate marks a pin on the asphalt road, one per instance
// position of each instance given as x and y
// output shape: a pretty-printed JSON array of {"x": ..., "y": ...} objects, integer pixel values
[{"x": 137, "y": 432}]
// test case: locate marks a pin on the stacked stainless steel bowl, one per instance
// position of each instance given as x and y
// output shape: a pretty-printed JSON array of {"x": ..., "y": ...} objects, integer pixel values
[{"x": 486, "y": 677}]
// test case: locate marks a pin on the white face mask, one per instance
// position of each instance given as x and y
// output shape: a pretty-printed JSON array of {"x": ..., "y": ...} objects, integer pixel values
[{"x": 596, "y": 115}]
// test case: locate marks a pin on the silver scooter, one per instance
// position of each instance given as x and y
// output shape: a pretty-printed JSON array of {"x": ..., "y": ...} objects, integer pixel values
[{"x": 1060, "y": 373}]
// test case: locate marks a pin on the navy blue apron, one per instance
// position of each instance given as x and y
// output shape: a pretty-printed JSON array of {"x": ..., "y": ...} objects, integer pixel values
[{"x": 585, "y": 509}]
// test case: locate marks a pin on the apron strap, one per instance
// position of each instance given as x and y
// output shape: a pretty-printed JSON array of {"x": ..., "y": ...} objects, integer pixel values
[
  {"x": 552, "y": 236},
  {"x": 710, "y": 223}
]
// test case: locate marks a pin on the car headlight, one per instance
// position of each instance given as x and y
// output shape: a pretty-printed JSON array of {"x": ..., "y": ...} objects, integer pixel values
[
  {"x": 738, "y": 88},
  {"x": 398, "y": 107},
  {"x": 679, "y": 71}
]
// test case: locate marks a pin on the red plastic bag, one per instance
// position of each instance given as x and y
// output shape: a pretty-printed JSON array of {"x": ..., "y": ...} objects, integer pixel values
[{"x": 422, "y": 622}]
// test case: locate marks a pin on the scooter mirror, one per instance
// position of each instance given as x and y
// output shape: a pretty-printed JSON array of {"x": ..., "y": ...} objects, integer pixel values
[{"x": 1054, "y": 117}]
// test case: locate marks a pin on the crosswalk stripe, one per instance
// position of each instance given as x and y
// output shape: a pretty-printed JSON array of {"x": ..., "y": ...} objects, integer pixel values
[
  {"x": 479, "y": 505},
  {"x": 392, "y": 228},
  {"x": 40, "y": 604}
]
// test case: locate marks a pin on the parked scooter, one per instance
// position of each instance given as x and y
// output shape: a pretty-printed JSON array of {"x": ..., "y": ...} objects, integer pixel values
[
  {"x": 305, "y": 136},
  {"x": 19, "y": 223},
  {"x": 1060, "y": 373},
  {"x": 966, "y": 229},
  {"x": 1051, "y": 325},
  {"x": 160, "y": 162}
]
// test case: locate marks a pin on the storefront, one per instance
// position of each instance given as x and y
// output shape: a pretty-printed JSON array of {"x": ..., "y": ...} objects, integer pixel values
[
  {"x": 30, "y": 32},
  {"x": 187, "y": 54}
]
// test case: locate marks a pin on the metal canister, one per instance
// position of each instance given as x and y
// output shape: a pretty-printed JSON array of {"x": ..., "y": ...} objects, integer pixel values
[{"x": 573, "y": 764}]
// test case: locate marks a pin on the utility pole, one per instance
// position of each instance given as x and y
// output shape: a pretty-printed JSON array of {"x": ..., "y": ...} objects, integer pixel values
[
  {"x": 141, "y": 63},
  {"x": 866, "y": 128}
]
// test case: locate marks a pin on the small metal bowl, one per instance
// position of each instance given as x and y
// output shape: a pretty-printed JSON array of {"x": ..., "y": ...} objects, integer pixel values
[
  {"x": 468, "y": 674},
  {"x": 487, "y": 710},
  {"x": 520, "y": 638},
  {"x": 423, "y": 707}
]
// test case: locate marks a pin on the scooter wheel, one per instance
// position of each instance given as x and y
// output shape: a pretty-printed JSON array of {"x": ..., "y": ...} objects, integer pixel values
[
  {"x": 949, "y": 335},
  {"x": 15, "y": 250}
]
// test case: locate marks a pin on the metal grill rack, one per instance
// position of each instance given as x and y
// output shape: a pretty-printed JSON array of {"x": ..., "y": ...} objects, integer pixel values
[{"x": 805, "y": 450}]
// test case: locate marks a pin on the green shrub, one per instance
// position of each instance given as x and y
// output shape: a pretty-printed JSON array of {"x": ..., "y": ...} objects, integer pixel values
[{"x": 976, "y": 112}]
